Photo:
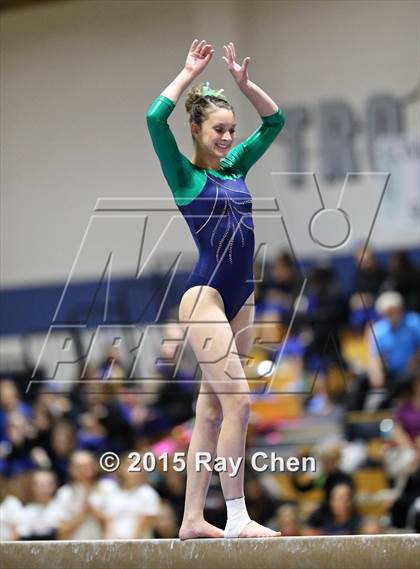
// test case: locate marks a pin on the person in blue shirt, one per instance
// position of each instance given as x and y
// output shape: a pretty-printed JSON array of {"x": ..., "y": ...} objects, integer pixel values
[{"x": 394, "y": 344}]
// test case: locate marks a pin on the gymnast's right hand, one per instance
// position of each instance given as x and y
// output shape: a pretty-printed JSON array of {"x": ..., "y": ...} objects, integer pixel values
[{"x": 198, "y": 57}]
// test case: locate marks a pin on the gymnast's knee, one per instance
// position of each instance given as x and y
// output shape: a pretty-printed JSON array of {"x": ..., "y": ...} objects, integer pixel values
[
  {"x": 237, "y": 407},
  {"x": 212, "y": 416}
]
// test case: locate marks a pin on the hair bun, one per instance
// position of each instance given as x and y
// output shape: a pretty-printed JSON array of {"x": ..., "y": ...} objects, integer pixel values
[
  {"x": 202, "y": 98},
  {"x": 194, "y": 94}
]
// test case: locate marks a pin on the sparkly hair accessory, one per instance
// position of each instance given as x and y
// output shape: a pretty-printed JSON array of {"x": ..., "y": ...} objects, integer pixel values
[{"x": 207, "y": 91}]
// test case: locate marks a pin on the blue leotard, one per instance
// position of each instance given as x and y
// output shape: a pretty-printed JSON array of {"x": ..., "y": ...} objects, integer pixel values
[{"x": 216, "y": 204}]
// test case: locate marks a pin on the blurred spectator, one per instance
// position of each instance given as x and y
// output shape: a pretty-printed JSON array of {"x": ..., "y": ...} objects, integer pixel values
[
  {"x": 287, "y": 520},
  {"x": 394, "y": 345},
  {"x": 176, "y": 396},
  {"x": 87, "y": 381},
  {"x": 172, "y": 402},
  {"x": 371, "y": 526},
  {"x": 91, "y": 434},
  {"x": 404, "y": 277},
  {"x": 112, "y": 367},
  {"x": 407, "y": 416},
  {"x": 366, "y": 284},
  {"x": 40, "y": 517},
  {"x": 171, "y": 487},
  {"x": 62, "y": 444},
  {"x": 81, "y": 502},
  {"x": 41, "y": 426},
  {"x": 325, "y": 314},
  {"x": 405, "y": 444},
  {"x": 134, "y": 409},
  {"x": 11, "y": 511},
  {"x": 320, "y": 402},
  {"x": 261, "y": 504},
  {"x": 166, "y": 526},
  {"x": 338, "y": 517},
  {"x": 103, "y": 424},
  {"x": 405, "y": 511},
  {"x": 15, "y": 449},
  {"x": 132, "y": 506},
  {"x": 330, "y": 474},
  {"x": 56, "y": 404},
  {"x": 279, "y": 289},
  {"x": 215, "y": 508},
  {"x": 10, "y": 402}
]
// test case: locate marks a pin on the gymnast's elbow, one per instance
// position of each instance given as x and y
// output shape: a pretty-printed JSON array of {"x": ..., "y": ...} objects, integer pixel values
[
  {"x": 152, "y": 117},
  {"x": 276, "y": 121},
  {"x": 154, "y": 125},
  {"x": 158, "y": 111},
  {"x": 282, "y": 119}
]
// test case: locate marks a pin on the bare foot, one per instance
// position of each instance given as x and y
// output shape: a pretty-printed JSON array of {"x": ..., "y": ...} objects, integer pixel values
[
  {"x": 199, "y": 529},
  {"x": 254, "y": 529}
]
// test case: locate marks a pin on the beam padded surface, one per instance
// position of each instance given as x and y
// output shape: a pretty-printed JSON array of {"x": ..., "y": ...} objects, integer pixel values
[{"x": 345, "y": 552}]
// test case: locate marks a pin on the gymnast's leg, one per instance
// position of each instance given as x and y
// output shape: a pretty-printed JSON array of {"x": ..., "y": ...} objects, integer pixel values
[
  {"x": 243, "y": 331},
  {"x": 204, "y": 439},
  {"x": 197, "y": 305},
  {"x": 212, "y": 340}
]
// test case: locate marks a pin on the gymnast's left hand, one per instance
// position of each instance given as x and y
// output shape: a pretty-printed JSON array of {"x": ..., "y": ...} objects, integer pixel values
[{"x": 239, "y": 72}]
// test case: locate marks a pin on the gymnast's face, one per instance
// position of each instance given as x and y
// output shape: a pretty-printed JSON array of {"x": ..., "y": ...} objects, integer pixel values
[{"x": 216, "y": 135}]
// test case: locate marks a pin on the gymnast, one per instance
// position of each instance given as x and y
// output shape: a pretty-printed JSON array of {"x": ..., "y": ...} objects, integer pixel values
[{"x": 218, "y": 299}]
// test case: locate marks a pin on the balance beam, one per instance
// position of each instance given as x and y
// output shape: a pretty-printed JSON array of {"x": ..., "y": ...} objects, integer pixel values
[{"x": 401, "y": 551}]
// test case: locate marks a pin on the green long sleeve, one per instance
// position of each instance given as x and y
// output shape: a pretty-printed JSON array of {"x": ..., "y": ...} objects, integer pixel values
[{"x": 176, "y": 168}]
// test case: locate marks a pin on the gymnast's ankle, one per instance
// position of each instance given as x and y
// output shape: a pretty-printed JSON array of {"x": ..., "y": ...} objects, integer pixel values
[
  {"x": 237, "y": 515},
  {"x": 192, "y": 518}
]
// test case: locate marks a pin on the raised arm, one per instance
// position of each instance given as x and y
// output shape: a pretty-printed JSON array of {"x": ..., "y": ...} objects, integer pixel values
[
  {"x": 175, "y": 166},
  {"x": 248, "y": 152}
]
